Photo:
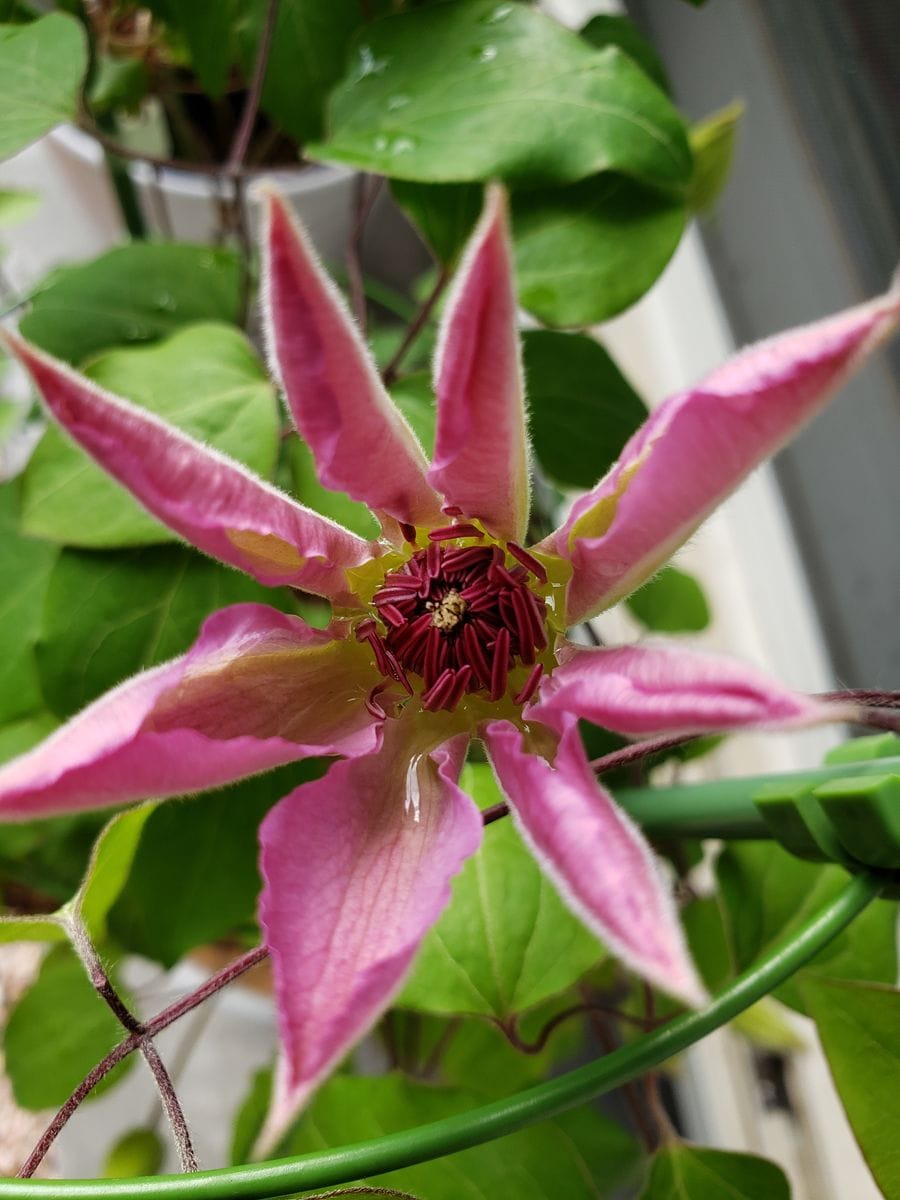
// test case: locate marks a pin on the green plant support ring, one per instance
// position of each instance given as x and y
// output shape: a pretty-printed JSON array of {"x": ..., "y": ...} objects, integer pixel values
[{"x": 328, "y": 1168}]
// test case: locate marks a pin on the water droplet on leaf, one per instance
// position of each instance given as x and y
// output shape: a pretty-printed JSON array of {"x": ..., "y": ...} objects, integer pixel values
[
  {"x": 369, "y": 64},
  {"x": 398, "y": 101},
  {"x": 500, "y": 13},
  {"x": 484, "y": 54}
]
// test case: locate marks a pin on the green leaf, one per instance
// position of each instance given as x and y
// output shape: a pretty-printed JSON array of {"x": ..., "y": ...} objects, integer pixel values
[
  {"x": 58, "y": 1030},
  {"x": 104, "y": 878},
  {"x": 16, "y": 12},
  {"x": 859, "y": 1027},
  {"x": 583, "y": 409},
  {"x": 49, "y": 928},
  {"x": 308, "y": 55},
  {"x": 588, "y": 251},
  {"x": 109, "y": 614},
  {"x": 506, "y": 942},
  {"x": 118, "y": 83},
  {"x": 681, "y": 1172},
  {"x": 336, "y": 505},
  {"x": 137, "y": 1152},
  {"x": 478, "y": 90},
  {"x": 475, "y": 1053},
  {"x": 713, "y": 143},
  {"x": 444, "y": 214},
  {"x": 111, "y": 861},
  {"x": 136, "y": 293},
  {"x": 579, "y": 1155},
  {"x": 205, "y": 379},
  {"x": 194, "y": 877},
  {"x": 605, "y": 30},
  {"x": 767, "y": 893},
  {"x": 41, "y": 68},
  {"x": 414, "y": 396},
  {"x": 671, "y": 602},
  {"x": 49, "y": 857},
  {"x": 20, "y": 735},
  {"x": 25, "y": 568},
  {"x": 208, "y": 27},
  {"x": 16, "y": 205}
]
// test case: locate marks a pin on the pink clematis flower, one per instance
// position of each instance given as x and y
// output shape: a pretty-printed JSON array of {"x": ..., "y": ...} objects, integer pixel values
[{"x": 446, "y": 628}]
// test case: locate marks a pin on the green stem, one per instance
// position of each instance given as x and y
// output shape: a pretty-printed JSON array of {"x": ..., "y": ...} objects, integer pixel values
[
  {"x": 330, "y": 1167},
  {"x": 724, "y": 808}
]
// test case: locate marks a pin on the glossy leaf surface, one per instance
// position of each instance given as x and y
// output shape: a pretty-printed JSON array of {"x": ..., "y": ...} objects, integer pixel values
[
  {"x": 41, "y": 67},
  {"x": 682, "y": 1172},
  {"x": 582, "y": 408},
  {"x": 579, "y": 1155},
  {"x": 109, "y": 614},
  {"x": 670, "y": 602},
  {"x": 859, "y": 1027},
  {"x": 587, "y": 251},
  {"x": 767, "y": 893},
  {"x": 136, "y": 293},
  {"x": 57, "y": 1031},
  {"x": 479, "y": 90}
]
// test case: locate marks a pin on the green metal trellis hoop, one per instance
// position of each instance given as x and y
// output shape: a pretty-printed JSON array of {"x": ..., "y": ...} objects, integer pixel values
[{"x": 723, "y": 809}]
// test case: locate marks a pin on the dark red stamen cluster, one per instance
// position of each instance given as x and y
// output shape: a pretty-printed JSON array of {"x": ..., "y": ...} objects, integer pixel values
[{"x": 461, "y": 619}]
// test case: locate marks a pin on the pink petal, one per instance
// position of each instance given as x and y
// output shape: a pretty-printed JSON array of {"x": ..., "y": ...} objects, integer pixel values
[
  {"x": 257, "y": 689},
  {"x": 700, "y": 444},
  {"x": 361, "y": 441},
  {"x": 207, "y": 498},
  {"x": 595, "y": 855},
  {"x": 639, "y": 690},
  {"x": 481, "y": 454},
  {"x": 357, "y": 868}
]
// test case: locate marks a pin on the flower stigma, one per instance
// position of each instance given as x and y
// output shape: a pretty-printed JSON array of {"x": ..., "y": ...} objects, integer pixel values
[{"x": 463, "y": 618}]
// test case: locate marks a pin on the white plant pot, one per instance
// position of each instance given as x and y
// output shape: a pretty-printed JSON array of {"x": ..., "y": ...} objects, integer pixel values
[{"x": 79, "y": 216}]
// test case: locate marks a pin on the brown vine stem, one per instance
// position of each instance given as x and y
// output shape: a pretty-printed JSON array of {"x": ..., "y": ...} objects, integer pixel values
[
  {"x": 102, "y": 984},
  {"x": 510, "y": 1028},
  {"x": 880, "y": 718},
  {"x": 391, "y": 1193},
  {"x": 652, "y": 1094},
  {"x": 151, "y": 1028},
  {"x": 606, "y": 1036},
  {"x": 241, "y": 143},
  {"x": 639, "y": 750},
  {"x": 390, "y": 372},
  {"x": 868, "y": 696},
  {"x": 367, "y": 190}
]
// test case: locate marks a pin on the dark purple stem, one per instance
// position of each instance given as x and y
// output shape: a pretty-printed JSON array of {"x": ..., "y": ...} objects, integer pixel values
[
  {"x": 880, "y": 718},
  {"x": 634, "y": 753},
  {"x": 868, "y": 696},
  {"x": 150, "y": 1029},
  {"x": 244, "y": 133},
  {"x": 102, "y": 984},
  {"x": 366, "y": 193},
  {"x": 390, "y": 372},
  {"x": 510, "y": 1028}
]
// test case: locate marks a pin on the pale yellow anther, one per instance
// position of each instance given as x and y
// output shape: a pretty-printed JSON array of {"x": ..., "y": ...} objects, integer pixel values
[{"x": 447, "y": 612}]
